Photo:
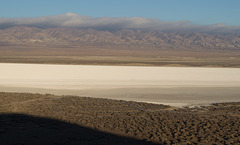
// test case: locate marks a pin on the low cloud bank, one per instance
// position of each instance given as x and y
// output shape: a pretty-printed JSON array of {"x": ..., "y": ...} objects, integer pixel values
[{"x": 110, "y": 23}]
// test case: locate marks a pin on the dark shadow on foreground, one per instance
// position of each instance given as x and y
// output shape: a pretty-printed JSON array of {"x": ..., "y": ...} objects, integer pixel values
[{"x": 18, "y": 129}]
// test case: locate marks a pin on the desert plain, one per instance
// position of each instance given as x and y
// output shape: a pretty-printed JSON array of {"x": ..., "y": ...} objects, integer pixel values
[{"x": 176, "y": 86}]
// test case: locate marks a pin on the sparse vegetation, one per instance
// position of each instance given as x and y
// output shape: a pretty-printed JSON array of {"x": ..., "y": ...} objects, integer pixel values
[{"x": 215, "y": 124}]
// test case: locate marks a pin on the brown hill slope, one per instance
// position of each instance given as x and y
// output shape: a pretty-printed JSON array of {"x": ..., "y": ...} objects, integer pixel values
[{"x": 215, "y": 124}]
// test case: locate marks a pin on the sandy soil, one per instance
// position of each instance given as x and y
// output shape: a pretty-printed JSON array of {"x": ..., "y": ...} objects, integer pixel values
[
  {"x": 176, "y": 86},
  {"x": 49, "y": 119}
]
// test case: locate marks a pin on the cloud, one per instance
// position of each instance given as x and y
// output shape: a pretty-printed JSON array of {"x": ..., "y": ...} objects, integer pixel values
[{"x": 110, "y": 23}]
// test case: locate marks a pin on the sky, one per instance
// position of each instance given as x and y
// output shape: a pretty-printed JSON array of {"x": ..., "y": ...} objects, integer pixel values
[
  {"x": 195, "y": 11},
  {"x": 153, "y": 13}
]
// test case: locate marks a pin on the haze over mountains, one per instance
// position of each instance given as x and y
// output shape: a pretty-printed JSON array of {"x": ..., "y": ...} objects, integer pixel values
[
  {"x": 73, "y": 31},
  {"x": 72, "y": 20},
  {"x": 123, "y": 38}
]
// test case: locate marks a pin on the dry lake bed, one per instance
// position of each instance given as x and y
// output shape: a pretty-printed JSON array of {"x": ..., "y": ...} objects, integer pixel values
[{"x": 176, "y": 86}]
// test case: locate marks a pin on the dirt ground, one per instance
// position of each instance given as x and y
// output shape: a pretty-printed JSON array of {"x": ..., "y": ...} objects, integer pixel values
[
  {"x": 49, "y": 119},
  {"x": 161, "y": 60}
]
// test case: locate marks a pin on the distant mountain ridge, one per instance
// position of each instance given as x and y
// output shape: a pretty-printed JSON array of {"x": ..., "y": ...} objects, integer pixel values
[{"x": 138, "y": 39}]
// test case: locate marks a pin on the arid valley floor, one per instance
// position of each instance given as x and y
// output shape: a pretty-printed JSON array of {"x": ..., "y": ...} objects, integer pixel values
[{"x": 45, "y": 74}]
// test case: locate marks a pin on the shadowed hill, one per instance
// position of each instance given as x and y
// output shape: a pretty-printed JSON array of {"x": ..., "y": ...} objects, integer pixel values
[{"x": 28, "y": 130}]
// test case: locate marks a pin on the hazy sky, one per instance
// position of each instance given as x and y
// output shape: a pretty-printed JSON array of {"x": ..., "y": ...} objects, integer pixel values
[{"x": 201, "y": 12}]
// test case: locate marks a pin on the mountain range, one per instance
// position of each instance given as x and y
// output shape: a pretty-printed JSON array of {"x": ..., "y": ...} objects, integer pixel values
[{"x": 83, "y": 39}]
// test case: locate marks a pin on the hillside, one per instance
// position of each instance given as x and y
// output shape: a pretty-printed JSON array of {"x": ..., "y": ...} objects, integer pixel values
[{"x": 49, "y": 119}]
